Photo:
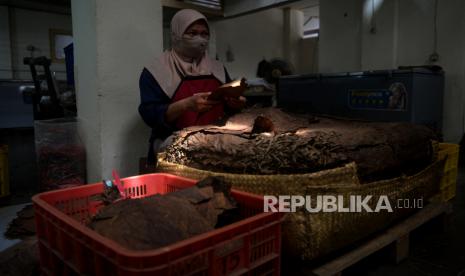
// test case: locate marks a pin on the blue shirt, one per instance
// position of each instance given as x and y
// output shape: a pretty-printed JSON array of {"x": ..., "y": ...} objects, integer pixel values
[{"x": 153, "y": 106}]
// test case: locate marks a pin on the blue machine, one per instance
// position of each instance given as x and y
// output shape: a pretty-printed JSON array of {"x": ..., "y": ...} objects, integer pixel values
[{"x": 413, "y": 95}]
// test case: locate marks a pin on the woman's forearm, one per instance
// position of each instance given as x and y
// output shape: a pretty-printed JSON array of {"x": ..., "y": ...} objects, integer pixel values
[
  {"x": 198, "y": 103},
  {"x": 175, "y": 110}
]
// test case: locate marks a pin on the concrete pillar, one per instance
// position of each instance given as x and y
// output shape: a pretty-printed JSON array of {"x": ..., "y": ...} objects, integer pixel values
[
  {"x": 293, "y": 24},
  {"x": 113, "y": 41}
]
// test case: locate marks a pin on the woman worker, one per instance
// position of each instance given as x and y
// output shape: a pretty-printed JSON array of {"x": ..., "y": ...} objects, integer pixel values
[{"x": 174, "y": 89}]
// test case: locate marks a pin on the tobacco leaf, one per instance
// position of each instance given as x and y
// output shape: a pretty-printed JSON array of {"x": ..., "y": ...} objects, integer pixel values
[{"x": 270, "y": 141}]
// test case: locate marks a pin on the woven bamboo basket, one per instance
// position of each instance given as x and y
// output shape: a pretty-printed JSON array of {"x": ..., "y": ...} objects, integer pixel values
[
  {"x": 312, "y": 235},
  {"x": 268, "y": 184}
]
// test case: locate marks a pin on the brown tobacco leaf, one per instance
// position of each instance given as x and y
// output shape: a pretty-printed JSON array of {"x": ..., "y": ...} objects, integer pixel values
[
  {"x": 302, "y": 144},
  {"x": 160, "y": 220},
  {"x": 23, "y": 225}
]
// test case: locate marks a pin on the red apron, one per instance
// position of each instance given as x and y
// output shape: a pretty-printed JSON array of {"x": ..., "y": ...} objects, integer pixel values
[{"x": 192, "y": 85}]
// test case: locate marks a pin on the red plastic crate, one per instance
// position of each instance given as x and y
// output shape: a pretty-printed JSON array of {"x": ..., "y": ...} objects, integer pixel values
[{"x": 67, "y": 247}]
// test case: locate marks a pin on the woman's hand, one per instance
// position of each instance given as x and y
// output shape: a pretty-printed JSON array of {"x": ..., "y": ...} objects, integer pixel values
[
  {"x": 236, "y": 103},
  {"x": 199, "y": 102}
]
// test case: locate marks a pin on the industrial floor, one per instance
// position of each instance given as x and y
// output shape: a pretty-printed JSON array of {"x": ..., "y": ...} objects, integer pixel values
[{"x": 432, "y": 252}]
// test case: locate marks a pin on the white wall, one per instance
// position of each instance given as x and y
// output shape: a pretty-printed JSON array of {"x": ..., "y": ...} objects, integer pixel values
[
  {"x": 5, "y": 50},
  {"x": 451, "y": 49},
  {"x": 29, "y": 28},
  {"x": 114, "y": 40},
  {"x": 340, "y": 35},
  {"x": 415, "y": 44},
  {"x": 379, "y": 48},
  {"x": 272, "y": 33},
  {"x": 404, "y": 36},
  {"x": 251, "y": 38}
]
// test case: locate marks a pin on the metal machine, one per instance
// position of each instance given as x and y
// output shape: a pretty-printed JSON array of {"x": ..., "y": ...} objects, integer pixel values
[
  {"x": 45, "y": 101},
  {"x": 409, "y": 94}
]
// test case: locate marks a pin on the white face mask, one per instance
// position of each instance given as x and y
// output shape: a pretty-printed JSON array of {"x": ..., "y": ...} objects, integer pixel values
[{"x": 193, "y": 47}]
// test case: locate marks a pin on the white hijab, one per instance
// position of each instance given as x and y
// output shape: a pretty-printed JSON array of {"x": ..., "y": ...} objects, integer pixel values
[{"x": 166, "y": 67}]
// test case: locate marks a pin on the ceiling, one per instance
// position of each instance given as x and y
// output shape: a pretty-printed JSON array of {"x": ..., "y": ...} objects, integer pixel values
[
  {"x": 213, "y": 9},
  {"x": 55, "y": 6}
]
